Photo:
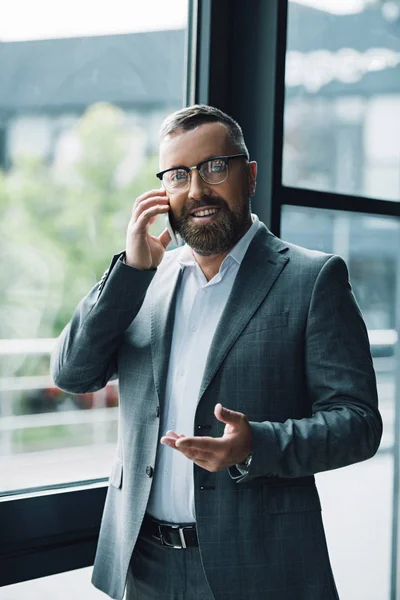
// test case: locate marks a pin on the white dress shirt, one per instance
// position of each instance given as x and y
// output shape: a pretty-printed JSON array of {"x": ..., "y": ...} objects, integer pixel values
[{"x": 199, "y": 306}]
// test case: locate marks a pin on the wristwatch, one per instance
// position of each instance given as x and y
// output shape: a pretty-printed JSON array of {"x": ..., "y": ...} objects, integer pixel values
[
  {"x": 243, "y": 467},
  {"x": 247, "y": 462}
]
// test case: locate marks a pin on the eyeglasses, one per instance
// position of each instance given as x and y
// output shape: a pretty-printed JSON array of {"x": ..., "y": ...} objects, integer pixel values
[{"x": 213, "y": 171}]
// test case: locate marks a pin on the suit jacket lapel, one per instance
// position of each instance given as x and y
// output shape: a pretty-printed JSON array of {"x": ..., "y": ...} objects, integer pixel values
[
  {"x": 261, "y": 266},
  {"x": 162, "y": 321}
]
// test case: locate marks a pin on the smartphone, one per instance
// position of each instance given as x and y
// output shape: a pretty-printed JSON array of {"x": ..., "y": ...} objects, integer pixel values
[{"x": 171, "y": 232}]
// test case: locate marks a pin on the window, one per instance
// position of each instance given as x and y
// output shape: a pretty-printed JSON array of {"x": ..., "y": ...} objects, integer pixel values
[
  {"x": 340, "y": 179},
  {"x": 84, "y": 108},
  {"x": 322, "y": 162},
  {"x": 342, "y": 108},
  {"x": 370, "y": 247}
]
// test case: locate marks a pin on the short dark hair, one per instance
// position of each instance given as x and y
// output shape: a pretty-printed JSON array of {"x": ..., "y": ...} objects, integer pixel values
[{"x": 190, "y": 117}]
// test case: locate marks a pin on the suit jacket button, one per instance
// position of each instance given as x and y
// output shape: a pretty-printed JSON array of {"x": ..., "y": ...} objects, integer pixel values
[
  {"x": 149, "y": 471},
  {"x": 157, "y": 411}
]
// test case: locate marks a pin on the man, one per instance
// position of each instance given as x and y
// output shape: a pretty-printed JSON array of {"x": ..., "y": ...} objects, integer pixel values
[{"x": 244, "y": 369}]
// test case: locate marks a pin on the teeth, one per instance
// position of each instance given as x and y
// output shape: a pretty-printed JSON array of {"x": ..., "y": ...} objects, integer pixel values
[{"x": 205, "y": 213}]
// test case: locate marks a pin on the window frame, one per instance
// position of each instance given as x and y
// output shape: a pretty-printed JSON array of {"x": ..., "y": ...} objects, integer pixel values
[{"x": 45, "y": 534}]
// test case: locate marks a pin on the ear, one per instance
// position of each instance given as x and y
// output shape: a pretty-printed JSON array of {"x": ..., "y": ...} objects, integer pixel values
[{"x": 252, "y": 177}]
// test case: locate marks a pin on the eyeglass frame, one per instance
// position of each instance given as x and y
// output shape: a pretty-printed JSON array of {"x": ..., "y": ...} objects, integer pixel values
[{"x": 188, "y": 170}]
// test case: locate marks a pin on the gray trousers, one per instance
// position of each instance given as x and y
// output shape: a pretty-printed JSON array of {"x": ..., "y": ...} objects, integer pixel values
[{"x": 160, "y": 573}]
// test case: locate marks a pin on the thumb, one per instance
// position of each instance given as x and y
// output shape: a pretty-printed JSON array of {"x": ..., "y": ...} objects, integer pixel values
[
  {"x": 165, "y": 238},
  {"x": 226, "y": 415}
]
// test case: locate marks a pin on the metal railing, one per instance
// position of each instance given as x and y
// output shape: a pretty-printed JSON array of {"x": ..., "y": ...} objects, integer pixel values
[{"x": 382, "y": 346}]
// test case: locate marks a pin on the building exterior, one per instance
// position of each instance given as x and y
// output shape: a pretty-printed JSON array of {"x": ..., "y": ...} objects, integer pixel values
[{"x": 46, "y": 85}]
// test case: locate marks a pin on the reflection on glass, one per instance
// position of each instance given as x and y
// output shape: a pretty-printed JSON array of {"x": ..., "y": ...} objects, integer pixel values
[
  {"x": 79, "y": 121},
  {"x": 357, "y": 500},
  {"x": 342, "y": 106},
  {"x": 72, "y": 584}
]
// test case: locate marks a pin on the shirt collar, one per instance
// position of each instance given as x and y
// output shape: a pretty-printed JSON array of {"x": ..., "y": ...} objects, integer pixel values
[{"x": 237, "y": 253}]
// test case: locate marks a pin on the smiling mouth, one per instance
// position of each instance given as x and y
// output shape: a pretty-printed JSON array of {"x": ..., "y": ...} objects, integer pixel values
[{"x": 203, "y": 214}]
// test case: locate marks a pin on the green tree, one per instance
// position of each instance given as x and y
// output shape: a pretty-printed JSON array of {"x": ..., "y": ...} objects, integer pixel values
[{"x": 59, "y": 234}]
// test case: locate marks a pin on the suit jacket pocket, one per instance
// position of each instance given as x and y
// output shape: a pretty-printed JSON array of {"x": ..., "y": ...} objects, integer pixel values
[
  {"x": 116, "y": 474},
  {"x": 291, "y": 499},
  {"x": 266, "y": 322}
]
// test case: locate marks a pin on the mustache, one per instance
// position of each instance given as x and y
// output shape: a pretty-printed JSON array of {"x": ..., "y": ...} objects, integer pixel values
[{"x": 198, "y": 205}]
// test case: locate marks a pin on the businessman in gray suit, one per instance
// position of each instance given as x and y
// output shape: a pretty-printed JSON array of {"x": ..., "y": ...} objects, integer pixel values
[{"x": 244, "y": 368}]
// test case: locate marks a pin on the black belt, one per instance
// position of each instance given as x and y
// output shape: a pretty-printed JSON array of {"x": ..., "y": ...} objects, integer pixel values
[{"x": 169, "y": 534}]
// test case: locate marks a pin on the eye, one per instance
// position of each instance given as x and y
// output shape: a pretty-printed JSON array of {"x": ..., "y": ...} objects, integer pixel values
[
  {"x": 178, "y": 175},
  {"x": 216, "y": 166}
]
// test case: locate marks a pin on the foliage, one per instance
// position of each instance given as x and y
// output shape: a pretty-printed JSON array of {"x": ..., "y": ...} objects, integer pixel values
[{"x": 60, "y": 226}]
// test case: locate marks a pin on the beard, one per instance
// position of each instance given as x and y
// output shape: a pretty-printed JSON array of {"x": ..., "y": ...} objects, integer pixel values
[{"x": 216, "y": 237}]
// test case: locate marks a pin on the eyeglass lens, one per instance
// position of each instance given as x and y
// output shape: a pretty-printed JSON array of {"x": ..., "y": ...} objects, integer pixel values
[{"x": 213, "y": 171}]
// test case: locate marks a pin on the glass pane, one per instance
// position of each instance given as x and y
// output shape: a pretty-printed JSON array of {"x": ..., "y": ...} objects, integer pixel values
[
  {"x": 82, "y": 95},
  {"x": 342, "y": 106},
  {"x": 371, "y": 248},
  {"x": 73, "y": 584}
]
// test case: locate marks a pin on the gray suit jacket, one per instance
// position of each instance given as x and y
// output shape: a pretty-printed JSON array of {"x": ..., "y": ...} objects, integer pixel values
[{"x": 291, "y": 352}]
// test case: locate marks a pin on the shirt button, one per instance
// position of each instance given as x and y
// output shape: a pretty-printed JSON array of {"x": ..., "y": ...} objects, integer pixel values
[
  {"x": 149, "y": 471},
  {"x": 180, "y": 372},
  {"x": 193, "y": 328}
]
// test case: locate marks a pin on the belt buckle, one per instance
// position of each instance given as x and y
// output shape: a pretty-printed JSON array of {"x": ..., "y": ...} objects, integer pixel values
[{"x": 165, "y": 543}]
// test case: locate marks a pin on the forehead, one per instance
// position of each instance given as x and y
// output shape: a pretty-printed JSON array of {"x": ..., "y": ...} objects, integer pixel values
[{"x": 188, "y": 148}]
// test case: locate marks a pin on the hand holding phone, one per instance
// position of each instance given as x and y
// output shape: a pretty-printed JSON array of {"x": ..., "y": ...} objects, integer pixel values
[{"x": 143, "y": 250}]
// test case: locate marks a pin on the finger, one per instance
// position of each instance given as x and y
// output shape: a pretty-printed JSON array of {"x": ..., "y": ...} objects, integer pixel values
[
  {"x": 226, "y": 415},
  {"x": 153, "y": 220},
  {"x": 138, "y": 209},
  {"x": 143, "y": 220},
  {"x": 170, "y": 437},
  {"x": 165, "y": 238},
  {"x": 168, "y": 441},
  {"x": 171, "y": 433},
  {"x": 150, "y": 193},
  {"x": 201, "y": 443}
]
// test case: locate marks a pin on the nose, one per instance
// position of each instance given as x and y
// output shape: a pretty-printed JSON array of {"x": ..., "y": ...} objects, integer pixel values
[{"x": 198, "y": 187}]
